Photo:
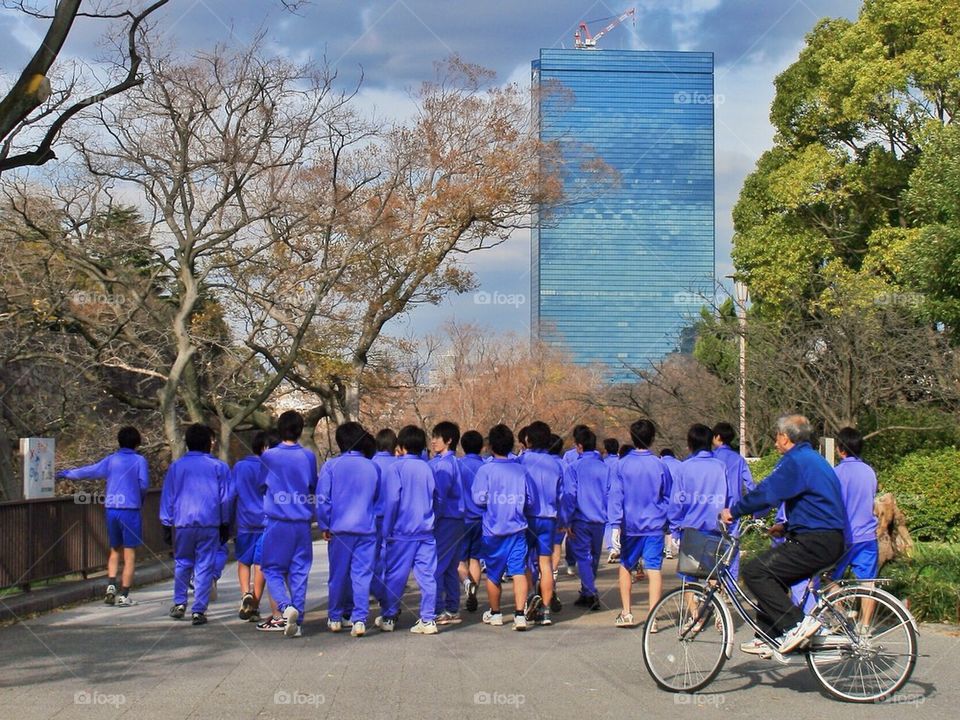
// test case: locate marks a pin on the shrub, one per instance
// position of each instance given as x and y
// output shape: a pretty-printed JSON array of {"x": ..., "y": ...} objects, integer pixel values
[
  {"x": 926, "y": 485},
  {"x": 885, "y": 450},
  {"x": 930, "y": 578}
]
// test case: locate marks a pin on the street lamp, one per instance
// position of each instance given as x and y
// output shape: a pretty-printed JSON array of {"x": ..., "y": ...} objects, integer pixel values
[{"x": 743, "y": 296}]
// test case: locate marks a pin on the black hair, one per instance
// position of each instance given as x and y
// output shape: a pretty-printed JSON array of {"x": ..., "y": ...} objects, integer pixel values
[
  {"x": 273, "y": 438},
  {"x": 667, "y": 452},
  {"x": 199, "y": 438},
  {"x": 699, "y": 438},
  {"x": 290, "y": 426},
  {"x": 449, "y": 432},
  {"x": 611, "y": 446},
  {"x": 725, "y": 432},
  {"x": 587, "y": 439},
  {"x": 625, "y": 449},
  {"x": 642, "y": 432},
  {"x": 556, "y": 445},
  {"x": 367, "y": 445},
  {"x": 522, "y": 435},
  {"x": 349, "y": 436},
  {"x": 501, "y": 439},
  {"x": 850, "y": 441},
  {"x": 539, "y": 435},
  {"x": 129, "y": 437},
  {"x": 412, "y": 439},
  {"x": 386, "y": 440},
  {"x": 259, "y": 443},
  {"x": 578, "y": 430},
  {"x": 472, "y": 442}
]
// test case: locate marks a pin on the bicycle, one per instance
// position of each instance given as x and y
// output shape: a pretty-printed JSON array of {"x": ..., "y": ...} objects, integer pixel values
[{"x": 852, "y": 661}]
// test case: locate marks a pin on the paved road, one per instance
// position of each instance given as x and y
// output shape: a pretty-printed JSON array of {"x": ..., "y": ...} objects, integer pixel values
[{"x": 95, "y": 661}]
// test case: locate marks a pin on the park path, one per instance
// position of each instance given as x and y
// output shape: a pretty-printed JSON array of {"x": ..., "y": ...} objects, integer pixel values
[{"x": 95, "y": 661}]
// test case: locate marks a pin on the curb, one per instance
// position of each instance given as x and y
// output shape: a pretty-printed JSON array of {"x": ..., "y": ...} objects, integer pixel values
[{"x": 30, "y": 603}]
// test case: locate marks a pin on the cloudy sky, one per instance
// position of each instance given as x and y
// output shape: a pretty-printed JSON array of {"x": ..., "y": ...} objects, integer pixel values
[{"x": 394, "y": 44}]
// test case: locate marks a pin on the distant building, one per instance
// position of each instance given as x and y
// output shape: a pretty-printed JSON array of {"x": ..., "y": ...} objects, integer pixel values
[{"x": 617, "y": 277}]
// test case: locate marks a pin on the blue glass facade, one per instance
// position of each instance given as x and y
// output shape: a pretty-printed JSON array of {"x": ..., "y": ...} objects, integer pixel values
[{"x": 620, "y": 272}]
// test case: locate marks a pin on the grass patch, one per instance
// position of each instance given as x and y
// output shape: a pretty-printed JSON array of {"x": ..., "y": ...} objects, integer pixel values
[{"x": 930, "y": 578}]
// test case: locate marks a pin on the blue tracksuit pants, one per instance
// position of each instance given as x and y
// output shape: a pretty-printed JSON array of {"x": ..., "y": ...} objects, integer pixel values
[
  {"x": 351, "y": 570},
  {"x": 287, "y": 557},
  {"x": 449, "y": 534},
  {"x": 587, "y": 544},
  {"x": 195, "y": 554},
  {"x": 402, "y": 556}
]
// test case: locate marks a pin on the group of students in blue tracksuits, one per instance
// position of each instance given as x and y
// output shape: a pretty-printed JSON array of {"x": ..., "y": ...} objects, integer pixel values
[{"x": 387, "y": 508}]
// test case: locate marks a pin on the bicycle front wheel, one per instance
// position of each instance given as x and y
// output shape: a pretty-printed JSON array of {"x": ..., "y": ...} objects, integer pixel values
[
  {"x": 687, "y": 651},
  {"x": 870, "y": 658}
]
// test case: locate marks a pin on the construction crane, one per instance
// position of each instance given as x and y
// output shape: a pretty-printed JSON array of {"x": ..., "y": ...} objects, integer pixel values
[{"x": 582, "y": 40}]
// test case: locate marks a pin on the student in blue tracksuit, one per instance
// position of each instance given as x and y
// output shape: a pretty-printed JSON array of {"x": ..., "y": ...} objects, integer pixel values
[
  {"x": 409, "y": 519},
  {"x": 127, "y": 479},
  {"x": 503, "y": 489},
  {"x": 472, "y": 546},
  {"x": 347, "y": 493},
  {"x": 547, "y": 474},
  {"x": 638, "y": 508},
  {"x": 573, "y": 454},
  {"x": 815, "y": 525},
  {"x": 858, "y": 487},
  {"x": 449, "y": 526},
  {"x": 384, "y": 458},
  {"x": 246, "y": 503},
  {"x": 739, "y": 479},
  {"x": 584, "y": 515},
  {"x": 611, "y": 535},
  {"x": 672, "y": 464},
  {"x": 699, "y": 486},
  {"x": 194, "y": 512},
  {"x": 289, "y": 483}
]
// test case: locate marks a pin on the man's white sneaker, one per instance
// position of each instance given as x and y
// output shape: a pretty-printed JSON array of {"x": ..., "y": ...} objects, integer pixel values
[
  {"x": 111, "y": 597},
  {"x": 756, "y": 647},
  {"x": 519, "y": 622},
  {"x": 291, "y": 615},
  {"x": 492, "y": 618},
  {"x": 359, "y": 629},
  {"x": 334, "y": 625},
  {"x": 428, "y": 627},
  {"x": 125, "y": 601},
  {"x": 385, "y": 624},
  {"x": 804, "y": 629}
]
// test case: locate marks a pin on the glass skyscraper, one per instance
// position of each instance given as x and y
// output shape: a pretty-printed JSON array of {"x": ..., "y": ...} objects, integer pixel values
[{"x": 621, "y": 270}]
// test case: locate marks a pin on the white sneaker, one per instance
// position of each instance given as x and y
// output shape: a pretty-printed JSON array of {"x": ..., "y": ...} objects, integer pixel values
[
  {"x": 756, "y": 647},
  {"x": 359, "y": 629},
  {"x": 111, "y": 596},
  {"x": 492, "y": 618},
  {"x": 519, "y": 622},
  {"x": 448, "y": 618},
  {"x": 297, "y": 633},
  {"x": 571, "y": 571},
  {"x": 291, "y": 615},
  {"x": 347, "y": 623},
  {"x": 126, "y": 601},
  {"x": 794, "y": 638},
  {"x": 385, "y": 624},
  {"x": 428, "y": 627},
  {"x": 334, "y": 625}
]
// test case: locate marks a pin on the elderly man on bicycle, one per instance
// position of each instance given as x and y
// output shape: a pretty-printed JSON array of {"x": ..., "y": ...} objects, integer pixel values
[{"x": 810, "y": 491}]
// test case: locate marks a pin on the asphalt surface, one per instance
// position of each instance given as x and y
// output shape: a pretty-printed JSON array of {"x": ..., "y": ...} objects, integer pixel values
[{"x": 96, "y": 661}]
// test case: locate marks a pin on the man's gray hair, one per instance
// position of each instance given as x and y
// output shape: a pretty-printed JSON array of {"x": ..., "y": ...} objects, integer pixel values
[{"x": 795, "y": 427}]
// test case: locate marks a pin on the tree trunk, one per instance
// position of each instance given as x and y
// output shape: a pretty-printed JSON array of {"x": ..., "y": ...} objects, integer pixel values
[{"x": 893, "y": 537}]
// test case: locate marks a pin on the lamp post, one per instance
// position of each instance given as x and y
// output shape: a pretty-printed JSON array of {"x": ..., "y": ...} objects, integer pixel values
[{"x": 743, "y": 295}]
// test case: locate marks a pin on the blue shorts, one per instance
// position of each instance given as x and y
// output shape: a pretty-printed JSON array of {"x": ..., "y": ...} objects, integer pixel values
[
  {"x": 472, "y": 547},
  {"x": 258, "y": 551},
  {"x": 649, "y": 547},
  {"x": 245, "y": 546},
  {"x": 124, "y": 527},
  {"x": 505, "y": 554},
  {"x": 541, "y": 533},
  {"x": 863, "y": 559}
]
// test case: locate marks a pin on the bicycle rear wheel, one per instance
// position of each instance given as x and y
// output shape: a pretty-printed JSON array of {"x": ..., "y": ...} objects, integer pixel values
[
  {"x": 681, "y": 661},
  {"x": 879, "y": 657}
]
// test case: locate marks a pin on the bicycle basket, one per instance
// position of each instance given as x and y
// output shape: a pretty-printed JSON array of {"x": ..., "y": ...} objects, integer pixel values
[{"x": 698, "y": 553}]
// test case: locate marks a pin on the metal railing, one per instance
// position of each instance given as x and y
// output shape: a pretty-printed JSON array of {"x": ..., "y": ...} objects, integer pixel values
[{"x": 49, "y": 538}]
